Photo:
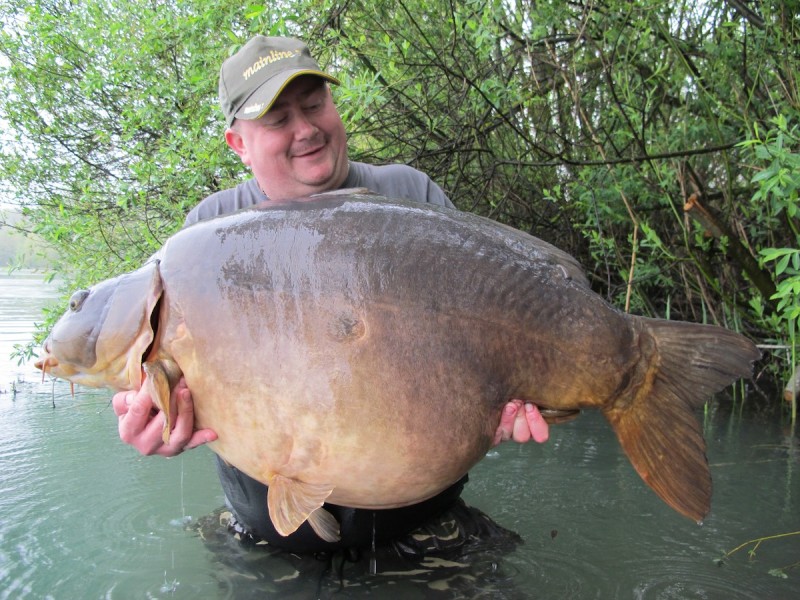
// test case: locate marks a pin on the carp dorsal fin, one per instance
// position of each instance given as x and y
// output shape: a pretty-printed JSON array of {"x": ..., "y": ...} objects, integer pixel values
[{"x": 291, "y": 502}]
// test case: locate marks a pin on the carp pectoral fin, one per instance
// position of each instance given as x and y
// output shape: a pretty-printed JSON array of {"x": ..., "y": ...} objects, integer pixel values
[
  {"x": 157, "y": 385},
  {"x": 291, "y": 502}
]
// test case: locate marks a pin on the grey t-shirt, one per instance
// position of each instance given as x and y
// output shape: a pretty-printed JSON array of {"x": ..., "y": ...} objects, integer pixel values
[
  {"x": 244, "y": 495},
  {"x": 393, "y": 181}
]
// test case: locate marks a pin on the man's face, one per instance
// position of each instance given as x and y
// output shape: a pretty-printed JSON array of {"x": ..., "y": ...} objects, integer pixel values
[{"x": 299, "y": 147}]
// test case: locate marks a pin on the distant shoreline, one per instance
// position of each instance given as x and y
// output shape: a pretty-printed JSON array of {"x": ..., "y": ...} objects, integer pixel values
[{"x": 18, "y": 249}]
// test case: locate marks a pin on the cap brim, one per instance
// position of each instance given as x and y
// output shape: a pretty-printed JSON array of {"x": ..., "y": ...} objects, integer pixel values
[{"x": 262, "y": 99}]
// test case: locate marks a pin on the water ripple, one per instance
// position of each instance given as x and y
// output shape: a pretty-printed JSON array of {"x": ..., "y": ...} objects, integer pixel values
[{"x": 676, "y": 578}]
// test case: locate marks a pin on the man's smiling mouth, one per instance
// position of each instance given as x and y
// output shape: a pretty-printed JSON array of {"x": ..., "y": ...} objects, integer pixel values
[{"x": 309, "y": 151}]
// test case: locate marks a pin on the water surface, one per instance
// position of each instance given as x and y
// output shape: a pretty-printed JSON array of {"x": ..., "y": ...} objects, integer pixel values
[{"x": 83, "y": 516}]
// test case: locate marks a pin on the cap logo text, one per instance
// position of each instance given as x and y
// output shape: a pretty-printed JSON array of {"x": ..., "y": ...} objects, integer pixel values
[{"x": 263, "y": 61}]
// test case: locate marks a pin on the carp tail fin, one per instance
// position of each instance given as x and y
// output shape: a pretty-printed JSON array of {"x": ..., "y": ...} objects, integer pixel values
[
  {"x": 291, "y": 502},
  {"x": 656, "y": 423}
]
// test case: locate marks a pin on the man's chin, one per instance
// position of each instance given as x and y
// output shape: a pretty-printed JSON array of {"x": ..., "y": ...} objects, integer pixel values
[{"x": 324, "y": 182}]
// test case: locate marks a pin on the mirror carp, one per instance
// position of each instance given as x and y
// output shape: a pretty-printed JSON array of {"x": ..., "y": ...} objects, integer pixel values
[{"x": 358, "y": 350}]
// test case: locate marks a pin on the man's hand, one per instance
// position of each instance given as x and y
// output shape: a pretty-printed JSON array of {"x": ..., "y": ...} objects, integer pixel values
[
  {"x": 521, "y": 425},
  {"x": 141, "y": 424}
]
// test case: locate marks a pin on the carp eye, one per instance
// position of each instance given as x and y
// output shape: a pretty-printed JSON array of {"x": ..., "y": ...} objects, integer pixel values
[{"x": 77, "y": 300}]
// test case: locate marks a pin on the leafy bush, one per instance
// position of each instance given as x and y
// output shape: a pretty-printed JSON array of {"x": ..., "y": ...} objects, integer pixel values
[{"x": 657, "y": 142}]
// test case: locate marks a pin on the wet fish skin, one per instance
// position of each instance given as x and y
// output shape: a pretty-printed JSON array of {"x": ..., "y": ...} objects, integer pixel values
[{"x": 357, "y": 350}]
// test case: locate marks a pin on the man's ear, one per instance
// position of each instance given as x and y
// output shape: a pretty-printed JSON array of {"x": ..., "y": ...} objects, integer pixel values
[{"x": 236, "y": 143}]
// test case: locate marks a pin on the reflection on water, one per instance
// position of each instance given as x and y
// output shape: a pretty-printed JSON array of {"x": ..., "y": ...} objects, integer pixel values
[{"x": 83, "y": 516}]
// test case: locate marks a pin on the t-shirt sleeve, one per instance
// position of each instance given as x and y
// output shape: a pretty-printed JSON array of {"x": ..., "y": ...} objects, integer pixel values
[{"x": 225, "y": 202}]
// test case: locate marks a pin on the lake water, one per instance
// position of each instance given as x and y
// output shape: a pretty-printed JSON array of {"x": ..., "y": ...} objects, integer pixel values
[{"x": 83, "y": 516}]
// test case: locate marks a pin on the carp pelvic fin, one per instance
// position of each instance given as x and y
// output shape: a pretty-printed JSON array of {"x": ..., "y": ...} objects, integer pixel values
[
  {"x": 291, "y": 502},
  {"x": 683, "y": 365},
  {"x": 325, "y": 525}
]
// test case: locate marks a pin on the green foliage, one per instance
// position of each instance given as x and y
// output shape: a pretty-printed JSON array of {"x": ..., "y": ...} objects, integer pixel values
[
  {"x": 115, "y": 123},
  {"x": 787, "y": 271},
  {"x": 776, "y": 156},
  {"x": 787, "y": 321},
  {"x": 625, "y": 108},
  {"x": 755, "y": 544},
  {"x": 779, "y": 180},
  {"x": 588, "y": 124},
  {"x": 776, "y": 203}
]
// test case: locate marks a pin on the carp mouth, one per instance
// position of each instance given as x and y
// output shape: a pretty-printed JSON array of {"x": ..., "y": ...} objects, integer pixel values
[{"x": 48, "y": 362}]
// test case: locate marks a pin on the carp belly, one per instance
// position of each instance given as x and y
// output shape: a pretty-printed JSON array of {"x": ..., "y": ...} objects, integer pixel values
[{"x": 349, "y": 413}]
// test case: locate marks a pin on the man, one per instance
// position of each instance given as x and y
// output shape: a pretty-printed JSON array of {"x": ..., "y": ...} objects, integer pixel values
[{"x": 284, "y": 126}]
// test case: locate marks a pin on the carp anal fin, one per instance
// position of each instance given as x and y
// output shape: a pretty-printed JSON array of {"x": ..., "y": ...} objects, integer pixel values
[
  {"x": 157, "y": 385},
  {"x": 683, "y": 365},
  {"x": 291, "y": 502}
]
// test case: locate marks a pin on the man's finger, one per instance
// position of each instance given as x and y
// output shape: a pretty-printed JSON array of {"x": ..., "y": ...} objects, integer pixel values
[
  {"x": 121, "y": 401},
  {"x": 522, "y": 432},
  {"x": 184, "y": 420},
  {"x": 538, "y": 427},
  {"x": 200, "y": 437},
  {"x": 507, "y": 418},
  {"x": 133, "y": 420}
]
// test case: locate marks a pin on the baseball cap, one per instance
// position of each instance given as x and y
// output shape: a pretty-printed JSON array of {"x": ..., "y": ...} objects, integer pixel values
[{"x": 251, "y": 79}]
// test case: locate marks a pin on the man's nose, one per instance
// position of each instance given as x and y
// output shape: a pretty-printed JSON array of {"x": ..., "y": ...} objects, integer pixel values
[{"x": 304, "y": 127}]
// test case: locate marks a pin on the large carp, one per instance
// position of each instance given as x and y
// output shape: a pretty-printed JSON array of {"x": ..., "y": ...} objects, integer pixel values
[{"x": 357, "y": 350}]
